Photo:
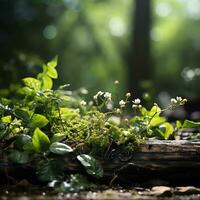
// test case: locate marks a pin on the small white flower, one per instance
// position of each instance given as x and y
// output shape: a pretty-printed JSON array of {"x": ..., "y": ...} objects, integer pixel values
[
  {"x": 126, "y": 120},
  {"x": 108, "y": 96},
  {"x": 179, "y": 98},
  {"x": 137, "y": 101},
  {"x": 173, "y": 101},
  {"x": 118, "y": 111},
  {"x": 122, "y": 103},
  {"x": 83, "y": 103},
  {"x": 99, "y": 93},
  {"x": 178, "y": 101},
  {"x": 116, "y": 82},
  {"x": 184, "y": 100},
  {"x": 128, "y": 94},
  {"x": 134, "y": 106},
  {"x": 95, "y": 97}
]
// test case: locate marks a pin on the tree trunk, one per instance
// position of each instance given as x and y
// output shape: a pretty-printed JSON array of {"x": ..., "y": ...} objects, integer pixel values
[{"x": 139, "y": 56}]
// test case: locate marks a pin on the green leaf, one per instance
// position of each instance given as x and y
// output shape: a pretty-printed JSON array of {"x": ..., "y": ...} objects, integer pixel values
[
  {"x": 19, "y": 157},
  {"x": 38, "y": 120},
  {"x": 40, "y": 141},
  {"x": 7, "y": 119},
  {"x": 143, "y": 111},
  {"x": 52, "y": 72},
  {"x": 49, "y": 170},
  {"x": 22, "y": 114},
  {"x": 60, "y": 148},
  {"x": 53, "y": 62},
  {"x": 156, "y": 121},
  {"x": 28, "y": 147},
  {"x": 66, "y": 113},
  {"x": 32, "y": 83},
  {"x": 178, "y": 124},
  {"x": 46, "y": 82},
  {"x": 190, "y": 124},
  {"x": 195, "y": 137},
  {"x": 21, "y": 140},
  {"x": 155, "y": 111},
  {"x": 92, "y": 166},
  {"x": 167, "y": 129},
  {"x": 3, "y": 133},
  {"x": 58, "y": 137}
]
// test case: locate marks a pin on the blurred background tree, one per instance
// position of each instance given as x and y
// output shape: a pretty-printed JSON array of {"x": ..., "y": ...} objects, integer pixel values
[{"x": 101, "y": 41}]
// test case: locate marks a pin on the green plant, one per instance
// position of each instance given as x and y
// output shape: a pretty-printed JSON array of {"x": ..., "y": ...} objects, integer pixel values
[{"x": 44, "y": 127}]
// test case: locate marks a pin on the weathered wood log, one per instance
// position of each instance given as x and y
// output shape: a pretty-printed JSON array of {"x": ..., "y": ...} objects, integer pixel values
[{"x": 169, "y": 161}]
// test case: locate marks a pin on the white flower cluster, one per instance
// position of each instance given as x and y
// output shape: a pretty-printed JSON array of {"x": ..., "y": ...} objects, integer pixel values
[
  {"x": 99, "y": 93},
  {"x": 136, "y": 103},
  {"x": 106, "y": 95},
  {"x": 178, "y": 101},
  {"x": 83, "y": 103}
]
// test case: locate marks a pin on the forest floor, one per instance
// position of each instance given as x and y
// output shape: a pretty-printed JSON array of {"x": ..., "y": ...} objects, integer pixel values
[{"x": 157, "y": 192}]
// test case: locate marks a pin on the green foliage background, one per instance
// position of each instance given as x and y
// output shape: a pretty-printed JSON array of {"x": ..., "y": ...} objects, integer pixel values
[{"x": 92, "y": 39}]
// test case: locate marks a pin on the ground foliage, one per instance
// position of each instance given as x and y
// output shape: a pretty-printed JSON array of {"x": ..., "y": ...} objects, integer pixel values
[{"x": 44, "y": 127}]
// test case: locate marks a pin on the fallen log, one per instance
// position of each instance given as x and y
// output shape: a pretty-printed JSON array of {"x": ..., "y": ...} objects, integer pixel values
[
  {"x": 156, "y": 162},
  {"x": 165, "y": 161}
]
